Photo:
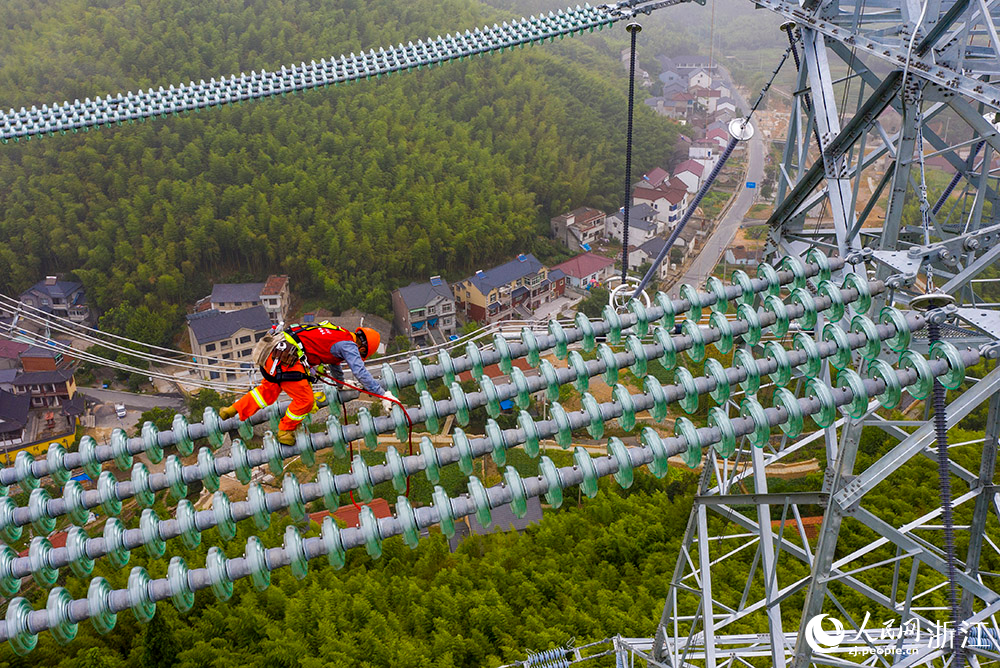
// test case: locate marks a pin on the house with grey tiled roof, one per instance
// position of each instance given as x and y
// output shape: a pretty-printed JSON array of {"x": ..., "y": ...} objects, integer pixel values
[
  {"x": 646, "y": 253},
  {"x": 515, "y": 288},
  {"x": 61, "y": 299},
  {"x": 46, "y": 388},
  {"x": 643, "y": 224},
  {"x": 227, "y": 339},
  {"x": 14, "y": 410},
  {"x": 273, "y": 294},
  {"x": 424, "y": 312}
]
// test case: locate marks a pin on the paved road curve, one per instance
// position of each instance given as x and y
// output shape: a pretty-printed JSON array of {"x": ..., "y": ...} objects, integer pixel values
[{"x": 703, "y": 265}]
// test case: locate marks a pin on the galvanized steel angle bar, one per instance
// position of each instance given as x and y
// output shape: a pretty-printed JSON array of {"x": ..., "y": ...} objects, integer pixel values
[
  {"x": 921, "y": 66},
  {"x": 888, "y": 463},
  {"x": 907, "y": 542}
]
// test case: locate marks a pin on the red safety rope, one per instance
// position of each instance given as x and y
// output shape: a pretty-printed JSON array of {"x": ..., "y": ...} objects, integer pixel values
[{"x": 409, "y": 423}]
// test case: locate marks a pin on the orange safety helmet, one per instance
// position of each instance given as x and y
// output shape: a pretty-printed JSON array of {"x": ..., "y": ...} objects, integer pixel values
[{"x": 371, "y": 340}]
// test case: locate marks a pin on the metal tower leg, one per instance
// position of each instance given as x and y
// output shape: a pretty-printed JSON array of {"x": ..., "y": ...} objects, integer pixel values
[
  {"x": 769, "y": 563},
  {"x": 843, "y": 468},
  {"x": 828, "y": 122},
  {"x": 977, "y": 528}
]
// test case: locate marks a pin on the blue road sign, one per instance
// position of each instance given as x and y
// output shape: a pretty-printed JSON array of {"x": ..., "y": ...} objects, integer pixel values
[{"x": 751, "y": 184}]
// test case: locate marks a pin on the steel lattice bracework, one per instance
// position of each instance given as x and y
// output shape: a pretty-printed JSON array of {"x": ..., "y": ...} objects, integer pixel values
[
  {"x": 62, "y": 613},
  {"x": 43, "y": 561},
  {"x": 873, "y": 78}
]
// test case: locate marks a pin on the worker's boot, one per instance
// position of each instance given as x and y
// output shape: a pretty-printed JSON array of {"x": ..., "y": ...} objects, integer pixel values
[
  {"x": 286, "y": 437},
  {"x": 227, "y": 412}
]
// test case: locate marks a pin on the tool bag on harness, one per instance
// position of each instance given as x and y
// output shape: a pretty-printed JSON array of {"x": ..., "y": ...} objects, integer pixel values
[{"x": 271, "y": 342}]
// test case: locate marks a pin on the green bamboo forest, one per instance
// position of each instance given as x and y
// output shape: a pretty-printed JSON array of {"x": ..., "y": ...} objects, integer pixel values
[{"x": 352, "y": 190}]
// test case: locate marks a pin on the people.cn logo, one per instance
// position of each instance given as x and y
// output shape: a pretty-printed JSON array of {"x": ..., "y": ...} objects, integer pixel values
[{"x": 820, "y": 640}]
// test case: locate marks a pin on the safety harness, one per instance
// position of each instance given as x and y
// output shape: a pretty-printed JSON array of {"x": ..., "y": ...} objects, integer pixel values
[{"x": 291, "y": 334}]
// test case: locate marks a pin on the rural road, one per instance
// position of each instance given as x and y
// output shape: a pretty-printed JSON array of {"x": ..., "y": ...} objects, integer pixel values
[
  {"x": 703, "y": 266},
  {"x": 722, "y": 236},
  {"x": 142, "y": 402}
]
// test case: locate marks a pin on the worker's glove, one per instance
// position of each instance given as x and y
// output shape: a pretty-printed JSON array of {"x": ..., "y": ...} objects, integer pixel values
[
  {"x": 318, "y": 398},
  {"x": 227, "y": 412},
  {"x": 386, "y": 404}
]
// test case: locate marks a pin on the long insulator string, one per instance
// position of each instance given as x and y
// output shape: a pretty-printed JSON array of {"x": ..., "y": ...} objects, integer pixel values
[
  {"x": 708, "y": 183},
  {"x": 944, "y": 483},
  {"x": 633, "y": 29}
]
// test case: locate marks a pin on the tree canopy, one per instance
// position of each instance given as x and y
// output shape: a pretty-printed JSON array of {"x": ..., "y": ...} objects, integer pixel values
[{"x": 351, "y": 190}]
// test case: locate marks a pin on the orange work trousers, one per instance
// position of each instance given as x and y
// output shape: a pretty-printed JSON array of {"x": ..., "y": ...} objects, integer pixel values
[{"x": 267, "y": 393}]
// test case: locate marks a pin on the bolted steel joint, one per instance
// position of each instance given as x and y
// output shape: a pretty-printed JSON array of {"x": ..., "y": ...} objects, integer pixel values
[
  {"x": 897, "y": 281},
  {"x": 859, "y": 256},
  {"x": 990, "y": 350}
]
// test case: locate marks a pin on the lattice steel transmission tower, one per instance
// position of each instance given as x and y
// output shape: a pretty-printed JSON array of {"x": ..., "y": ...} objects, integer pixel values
[{"x": 878, "y": 82}]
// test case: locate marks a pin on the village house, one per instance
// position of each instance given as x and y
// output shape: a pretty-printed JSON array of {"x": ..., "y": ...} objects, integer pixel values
[
  {"x": 227, "y": 339},
  {"x": 46, "y": 388},
  {"x": 725, "y": 105},
  {"x": 699, "y": 78},
  {"x": 706, "y": 97},
  {"x": 646, "y": 253},
  {"x": 654, "y": 178},
  {"x": 423, "y": 309},
  {"x": 743, "y": 256},
  {"x": 643, "y": 223},
  {"x": 587, "y": 269},
  {"x": 514, "y": 288},
  {"x": 684, "y": 245},
  {"x": 678, "y": 105},
  {"x": 690, "y": 173},
  {"x": 14, "y": 411},
  {"x": 62, "y": 299},
  {"x": 705, "y": 153},
  {"x": 578, "y": 228},
  {"x": 274, "y": 295},
  {"x": 719, "y": 136}
]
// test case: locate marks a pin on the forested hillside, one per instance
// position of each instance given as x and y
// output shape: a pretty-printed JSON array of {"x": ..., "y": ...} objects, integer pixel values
[{"x": 351, "y": 190}]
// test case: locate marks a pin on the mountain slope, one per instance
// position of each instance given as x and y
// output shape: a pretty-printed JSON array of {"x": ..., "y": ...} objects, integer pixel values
[{"x": 352, "y": 190}]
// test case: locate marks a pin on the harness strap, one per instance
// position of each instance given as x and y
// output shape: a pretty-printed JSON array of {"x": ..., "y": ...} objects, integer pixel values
[{"x": 283, "y": 376}]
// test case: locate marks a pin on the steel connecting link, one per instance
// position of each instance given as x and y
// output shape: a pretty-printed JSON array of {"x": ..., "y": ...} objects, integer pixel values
[
  {"x": 130, "y": 107},
  {"x": 42, "y": 510},
  {"x": 80, "y": 552},
  {"x": 102, "y": 604},
  {"x": 58, "y": 463}
]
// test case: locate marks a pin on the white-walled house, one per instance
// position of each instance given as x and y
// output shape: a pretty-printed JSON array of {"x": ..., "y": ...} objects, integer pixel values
[
  {"x": 690, "y": 172},
  {"x": 699, "y": 79},
  {"x": 705, "y": 153}
]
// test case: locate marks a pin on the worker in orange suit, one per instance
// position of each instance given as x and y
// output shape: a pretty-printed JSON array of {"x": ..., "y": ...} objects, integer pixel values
[{"x": 284, "y": 357}]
